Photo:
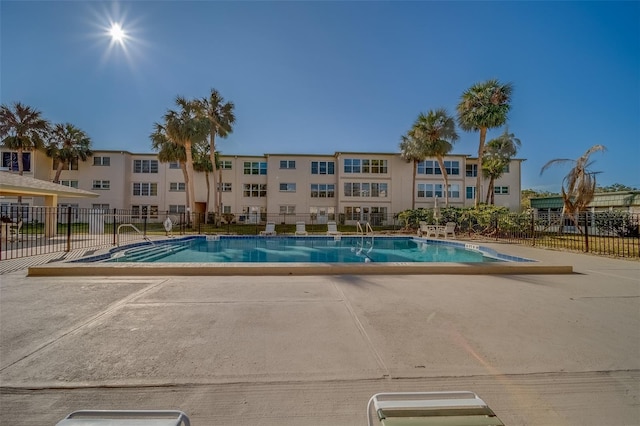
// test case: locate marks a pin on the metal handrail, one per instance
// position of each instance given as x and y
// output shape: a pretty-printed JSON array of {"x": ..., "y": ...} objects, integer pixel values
[{"x": 144, "y": 237}]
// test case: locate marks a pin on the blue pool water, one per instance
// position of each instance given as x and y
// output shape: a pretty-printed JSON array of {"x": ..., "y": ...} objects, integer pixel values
[{"x": 302, "y": 249}]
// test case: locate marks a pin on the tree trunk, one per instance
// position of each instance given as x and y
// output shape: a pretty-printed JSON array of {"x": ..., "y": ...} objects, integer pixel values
[
  {"x": 489, "y": 199},
  {"x": 183, "y": 167},
  {"x": 212, "y": 157},
  {"x": 483, "y": 136},
  {"x": 206, "y": 177},
  {"x": 414, "y": 189},
  {"x": 190, "y": 185},
  {"x": 56, "y": 178},
  {"x": 219, "y": 190},
  {"x": 445, "y": 176}
]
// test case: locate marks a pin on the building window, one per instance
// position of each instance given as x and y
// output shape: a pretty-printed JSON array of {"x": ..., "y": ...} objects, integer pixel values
[
  {"x": 287, "y": 187},
  {"x": 287, "y": 209},
  {"x": 144, "y": 211},
  {"x": 471, "y": 192},
  {"x": 68, "y": 165},
  {"x": 454, "y": 191},
  {"x": 225, "y": 165},
  {"x": 428, "y": 167},
  {"x": 255, "y": 168},
  {"x": 379, "y": 190},
  {"x": 471, "y": 170},
  {"x": 323, "y": 167},
  {"x": 322, "y": 190},
  {"x": 287, "y": 164},
  {"x": 425, "y": 190},
  {"x": 226, "y": 209},
  {"x": 504, "y": 190},
  {"x": 505, "y": 169},
  {"x": 146, "y": 189},
  {"x": 101, "y": 184},
  {"x": 224, "y": 186},
  {"x": 102, "y": 207},
  {"x": 174, "y": 165},
  {"x": 254, "y": 190},
  {"x": 452, "y": 167},
  {"x": 145, "y": 166},
  {"x": 69, "y": 183},
  {"x": 365, "y": 189},
  {"x": 176, "y": 187},
  {"x": 374, "y": 166},
  {"x": 177, "y": 208},
  {"x": 10, "y": 161},
  {"x": 352, "y": 165},
  {"x": 101, "y": 161}
]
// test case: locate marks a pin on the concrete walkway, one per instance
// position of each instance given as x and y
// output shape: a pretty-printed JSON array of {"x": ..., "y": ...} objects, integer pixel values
[{"x": 311, "y": 350}]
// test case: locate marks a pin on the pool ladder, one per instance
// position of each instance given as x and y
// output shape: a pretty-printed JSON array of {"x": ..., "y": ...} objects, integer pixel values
[
  {"x": 131, "y": 225},
  {"x": 364, "y": 232}
]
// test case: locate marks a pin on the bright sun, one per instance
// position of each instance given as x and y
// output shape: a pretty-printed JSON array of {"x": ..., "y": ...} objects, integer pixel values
[{"x": 116, "y": 33}]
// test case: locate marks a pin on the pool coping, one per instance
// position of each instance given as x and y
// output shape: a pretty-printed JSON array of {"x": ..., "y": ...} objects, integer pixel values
[
  {"x": 270, "y": 269},
  {"x": 511, "y": 265}
]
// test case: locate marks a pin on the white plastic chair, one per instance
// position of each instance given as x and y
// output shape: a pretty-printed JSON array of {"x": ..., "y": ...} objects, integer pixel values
[
  {"x": 332, "y": 229},
  {"x": 449, "y": 229},
  {"x": 301, "y": 229},
  {"x": 270, "y": 229}
]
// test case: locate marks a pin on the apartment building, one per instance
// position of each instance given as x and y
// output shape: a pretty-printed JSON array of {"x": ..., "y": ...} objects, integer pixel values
[{"x": 356, "y": 185}]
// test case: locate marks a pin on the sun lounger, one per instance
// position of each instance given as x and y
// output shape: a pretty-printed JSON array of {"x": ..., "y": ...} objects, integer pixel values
[
  {"x": 332, "y": 229},
  {"x": 300, "y": 229},
  {"x": 125, "y": 418},
  {"x": 429, "y": 408},
  {"x": 270, "y": 229}
]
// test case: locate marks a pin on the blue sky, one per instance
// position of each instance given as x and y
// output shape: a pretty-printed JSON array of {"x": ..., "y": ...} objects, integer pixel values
[{"x": 320, "y": 77}]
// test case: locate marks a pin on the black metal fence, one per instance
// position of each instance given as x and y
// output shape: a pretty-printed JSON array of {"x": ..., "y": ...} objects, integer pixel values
[{"x": 42, "y": 230}]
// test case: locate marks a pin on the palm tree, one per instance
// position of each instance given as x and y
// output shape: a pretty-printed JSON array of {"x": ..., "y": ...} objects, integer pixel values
[
  {"x": 22, "y": 129},
  {"x": 498, "y": 155},
  {"x": 66, "y": 144},
  {"x": 579, "y": 185},
  {"x": 185, "y": 128},
  {"x": 436, "y": 133},
  {"x": 221, "y": 118},
  {"x": 484, "y": 106},
  {"x": 170, "y": 152},
  {"x": 410, "y": 151},
  {"x": 202, "y": 163}
]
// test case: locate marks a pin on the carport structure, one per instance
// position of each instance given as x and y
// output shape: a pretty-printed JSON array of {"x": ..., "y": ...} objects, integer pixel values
[{"x": 14, "y": 185}]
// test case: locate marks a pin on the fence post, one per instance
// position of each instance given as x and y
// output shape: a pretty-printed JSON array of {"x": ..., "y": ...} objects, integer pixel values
[
  {"x": 586, "y": 231},
  {"x": 533, "y": 229},
  {"x": 115, "y": 232},
  {"x": 144, "y": 226},
  {"x": 68, "y": 229}
]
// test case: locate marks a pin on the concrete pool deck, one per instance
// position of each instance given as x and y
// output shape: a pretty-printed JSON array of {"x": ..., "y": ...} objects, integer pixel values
[{"x": 554, "y": 349}]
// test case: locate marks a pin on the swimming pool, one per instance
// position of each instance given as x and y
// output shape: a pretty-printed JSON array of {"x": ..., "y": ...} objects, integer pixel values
[{"x": 233, "y": 249}]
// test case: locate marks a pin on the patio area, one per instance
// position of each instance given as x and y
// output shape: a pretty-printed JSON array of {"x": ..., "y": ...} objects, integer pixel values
[{"x": 310, "y": 350}]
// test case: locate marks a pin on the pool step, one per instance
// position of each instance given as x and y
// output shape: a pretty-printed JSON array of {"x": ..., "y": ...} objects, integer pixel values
[{"x": 152, "y": 253}]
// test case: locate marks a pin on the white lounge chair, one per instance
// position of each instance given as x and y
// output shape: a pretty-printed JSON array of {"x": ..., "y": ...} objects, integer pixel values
[
  {"x": 300, "y": 229},
  {"x": 430, "y": 408},
  {"x": 332, "y": 229},
  {"x": 270, "y": 229},
  {"x": 125, "y": 418}
]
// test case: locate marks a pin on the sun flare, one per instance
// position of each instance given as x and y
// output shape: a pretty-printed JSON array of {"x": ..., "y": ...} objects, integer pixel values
[{"x": 117, "y": 33}]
